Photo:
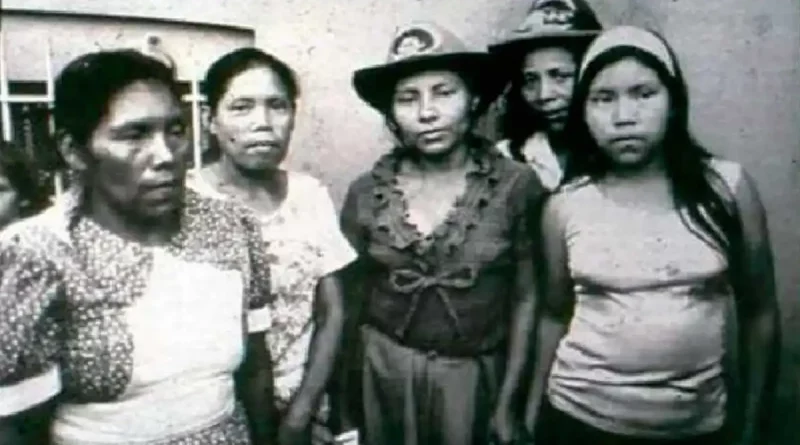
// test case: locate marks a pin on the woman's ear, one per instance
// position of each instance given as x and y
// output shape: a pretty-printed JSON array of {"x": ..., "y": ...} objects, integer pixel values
[{"x": 73, "y": 154}]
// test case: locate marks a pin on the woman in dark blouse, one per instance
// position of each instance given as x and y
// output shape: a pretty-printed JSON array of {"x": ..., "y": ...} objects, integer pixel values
[{"x": 443, "y": 228}]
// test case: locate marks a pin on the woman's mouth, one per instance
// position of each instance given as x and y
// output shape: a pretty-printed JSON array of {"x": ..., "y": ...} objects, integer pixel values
[{"x": 556, "y": 115}]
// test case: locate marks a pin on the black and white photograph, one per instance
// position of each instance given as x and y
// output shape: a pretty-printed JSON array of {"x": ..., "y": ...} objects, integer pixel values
[{"x": 400, "y": 222}]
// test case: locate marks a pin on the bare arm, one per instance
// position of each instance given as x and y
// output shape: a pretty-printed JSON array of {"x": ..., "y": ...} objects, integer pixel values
[
  {"x": 329, "y": 321},
  {"x": 523, "y": 317},
  {"x": 554, "y": 309},
  {"x": 254, "y": 388},
  {"x": 757, "y": 312},
  {"x": 345, "y": 390},
  {"x": 522, "y": 326}
]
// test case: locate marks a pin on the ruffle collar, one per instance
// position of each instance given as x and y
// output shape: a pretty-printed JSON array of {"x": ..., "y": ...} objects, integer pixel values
[{"x": 390, "y": 207}]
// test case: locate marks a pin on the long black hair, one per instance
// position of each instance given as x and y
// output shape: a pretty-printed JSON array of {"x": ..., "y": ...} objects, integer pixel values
[
  {"x": 694, "y": 185},
  {"x": 519, "y": 121}
]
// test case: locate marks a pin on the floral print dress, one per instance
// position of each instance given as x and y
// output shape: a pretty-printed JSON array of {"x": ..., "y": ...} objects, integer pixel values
[{"x": 139, "y": 342}]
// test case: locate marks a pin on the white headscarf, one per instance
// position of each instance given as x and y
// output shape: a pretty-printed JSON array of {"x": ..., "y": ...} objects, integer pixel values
[{"x": 628, "y": 36}]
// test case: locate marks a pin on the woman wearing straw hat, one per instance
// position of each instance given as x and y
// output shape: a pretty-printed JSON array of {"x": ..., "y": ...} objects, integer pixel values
[
  {"x": 541, "y": 58},
  {"x": 443, "y": 226},
  {"x": 645, "y": 252}
]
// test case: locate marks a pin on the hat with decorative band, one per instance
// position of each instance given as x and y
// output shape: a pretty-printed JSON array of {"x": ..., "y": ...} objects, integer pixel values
[
  {"x": 424, "y": 46},
  {"x": 550, "y": 22}
]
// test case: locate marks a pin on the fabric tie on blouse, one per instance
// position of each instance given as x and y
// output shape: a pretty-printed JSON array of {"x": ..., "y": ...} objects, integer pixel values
[{"x": 414, "y": 283}]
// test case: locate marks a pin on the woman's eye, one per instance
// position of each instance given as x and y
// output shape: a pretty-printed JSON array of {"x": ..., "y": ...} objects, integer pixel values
[
  {"x": 240, "y": 106},
  {"x": 132, "y": 134},
  {"x": 646, "y": 94},
  {"x": 563, "y": 76},
  {"x": 279, "y": 105},
  {"x": 404, "y": 98},
  {"x": 530, "y": 81},
  {"x": 178, "y": 129},
  {"x": 600, "y": 99},
  {"x": 446, "y": 92}
]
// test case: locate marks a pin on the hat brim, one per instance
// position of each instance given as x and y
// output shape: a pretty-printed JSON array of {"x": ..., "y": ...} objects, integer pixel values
[
  {"x": 526, "y": 43},
  {"x": 507, "y": 56},
  {"x": 375, "y": 85}
]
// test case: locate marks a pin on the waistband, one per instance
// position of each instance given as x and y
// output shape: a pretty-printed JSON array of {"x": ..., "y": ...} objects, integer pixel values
[
  {"x": 30, "y": 392},
  {"x": 151, "y": 415},
  {"x": 455, "y": 349}
]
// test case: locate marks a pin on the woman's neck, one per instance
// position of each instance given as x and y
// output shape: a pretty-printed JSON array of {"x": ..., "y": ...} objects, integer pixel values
[
  {"x": 249, "y": 181},
  {"x": 146, "y": 231},
  {"x": 454, "y": 160},
  {"x": 654, "y": 170}
]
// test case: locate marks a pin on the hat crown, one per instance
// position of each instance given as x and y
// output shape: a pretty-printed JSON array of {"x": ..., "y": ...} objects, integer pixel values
[
  {"x": 424, "y": 39},
  {"x": 553, "y": 18}
]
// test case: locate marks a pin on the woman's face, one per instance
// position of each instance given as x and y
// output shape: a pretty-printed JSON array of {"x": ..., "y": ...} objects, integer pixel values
[
  {"x": 548, "y": 77},
  {"x": 138, "y": 151},
  {"x": 254, "y": 119},
  {"x": 432, "y": 111},
  {"x": 9, "y": 201},
  {"x": 627, "y": 112}
]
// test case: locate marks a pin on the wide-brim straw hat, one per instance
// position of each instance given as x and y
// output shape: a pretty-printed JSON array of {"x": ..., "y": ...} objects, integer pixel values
[
  {"x": 425, "y": 46},
  {"x": 549, "y": 23}
]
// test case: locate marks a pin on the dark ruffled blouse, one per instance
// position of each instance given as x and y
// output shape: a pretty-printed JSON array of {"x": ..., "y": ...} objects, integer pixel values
[{"x": 450, "y": 291}]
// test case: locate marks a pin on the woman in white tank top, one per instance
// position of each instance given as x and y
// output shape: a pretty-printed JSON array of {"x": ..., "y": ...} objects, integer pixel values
[{"x": 646, "y": 248}]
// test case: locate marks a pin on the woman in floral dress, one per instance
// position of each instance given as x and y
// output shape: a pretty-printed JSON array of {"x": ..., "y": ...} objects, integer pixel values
[
  {"x": 138, "y": 307},
  {"x": 252, "y": 98}
]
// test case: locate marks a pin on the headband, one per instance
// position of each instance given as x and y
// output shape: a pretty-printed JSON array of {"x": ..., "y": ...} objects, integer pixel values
[{"x": 628, "y": 36}]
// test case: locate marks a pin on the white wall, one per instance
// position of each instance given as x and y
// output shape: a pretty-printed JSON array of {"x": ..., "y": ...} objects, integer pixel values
[
  {"x": 192, "y": 45},
  {"x": 741, "y": 57}
]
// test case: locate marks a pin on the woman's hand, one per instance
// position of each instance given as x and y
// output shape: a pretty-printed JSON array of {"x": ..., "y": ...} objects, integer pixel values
[
  {"x": 501, "y": 427},
  {"x": 295, "y": 427}
]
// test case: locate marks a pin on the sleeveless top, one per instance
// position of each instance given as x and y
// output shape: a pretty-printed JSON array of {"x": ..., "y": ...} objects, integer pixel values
[{"x": 643, "y": 352}]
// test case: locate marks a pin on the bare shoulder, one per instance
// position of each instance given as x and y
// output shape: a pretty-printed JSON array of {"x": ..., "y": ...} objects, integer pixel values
[{"x": 559, "y": 205}]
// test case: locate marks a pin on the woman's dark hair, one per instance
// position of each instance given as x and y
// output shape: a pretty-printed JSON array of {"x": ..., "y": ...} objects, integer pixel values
[
  {"x": 230, "y": 65},
  {"x": 237, "y": 61},
  {"x": 24, "y": 176},
  {"x": 519, "y": 121},
  {"x": 86, "y": 85},
  {"x": 686, "y": 161}
]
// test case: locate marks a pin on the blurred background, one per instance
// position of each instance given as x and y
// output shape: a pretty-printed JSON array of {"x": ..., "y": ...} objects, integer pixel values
[{"x": 741, "y": 59}]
